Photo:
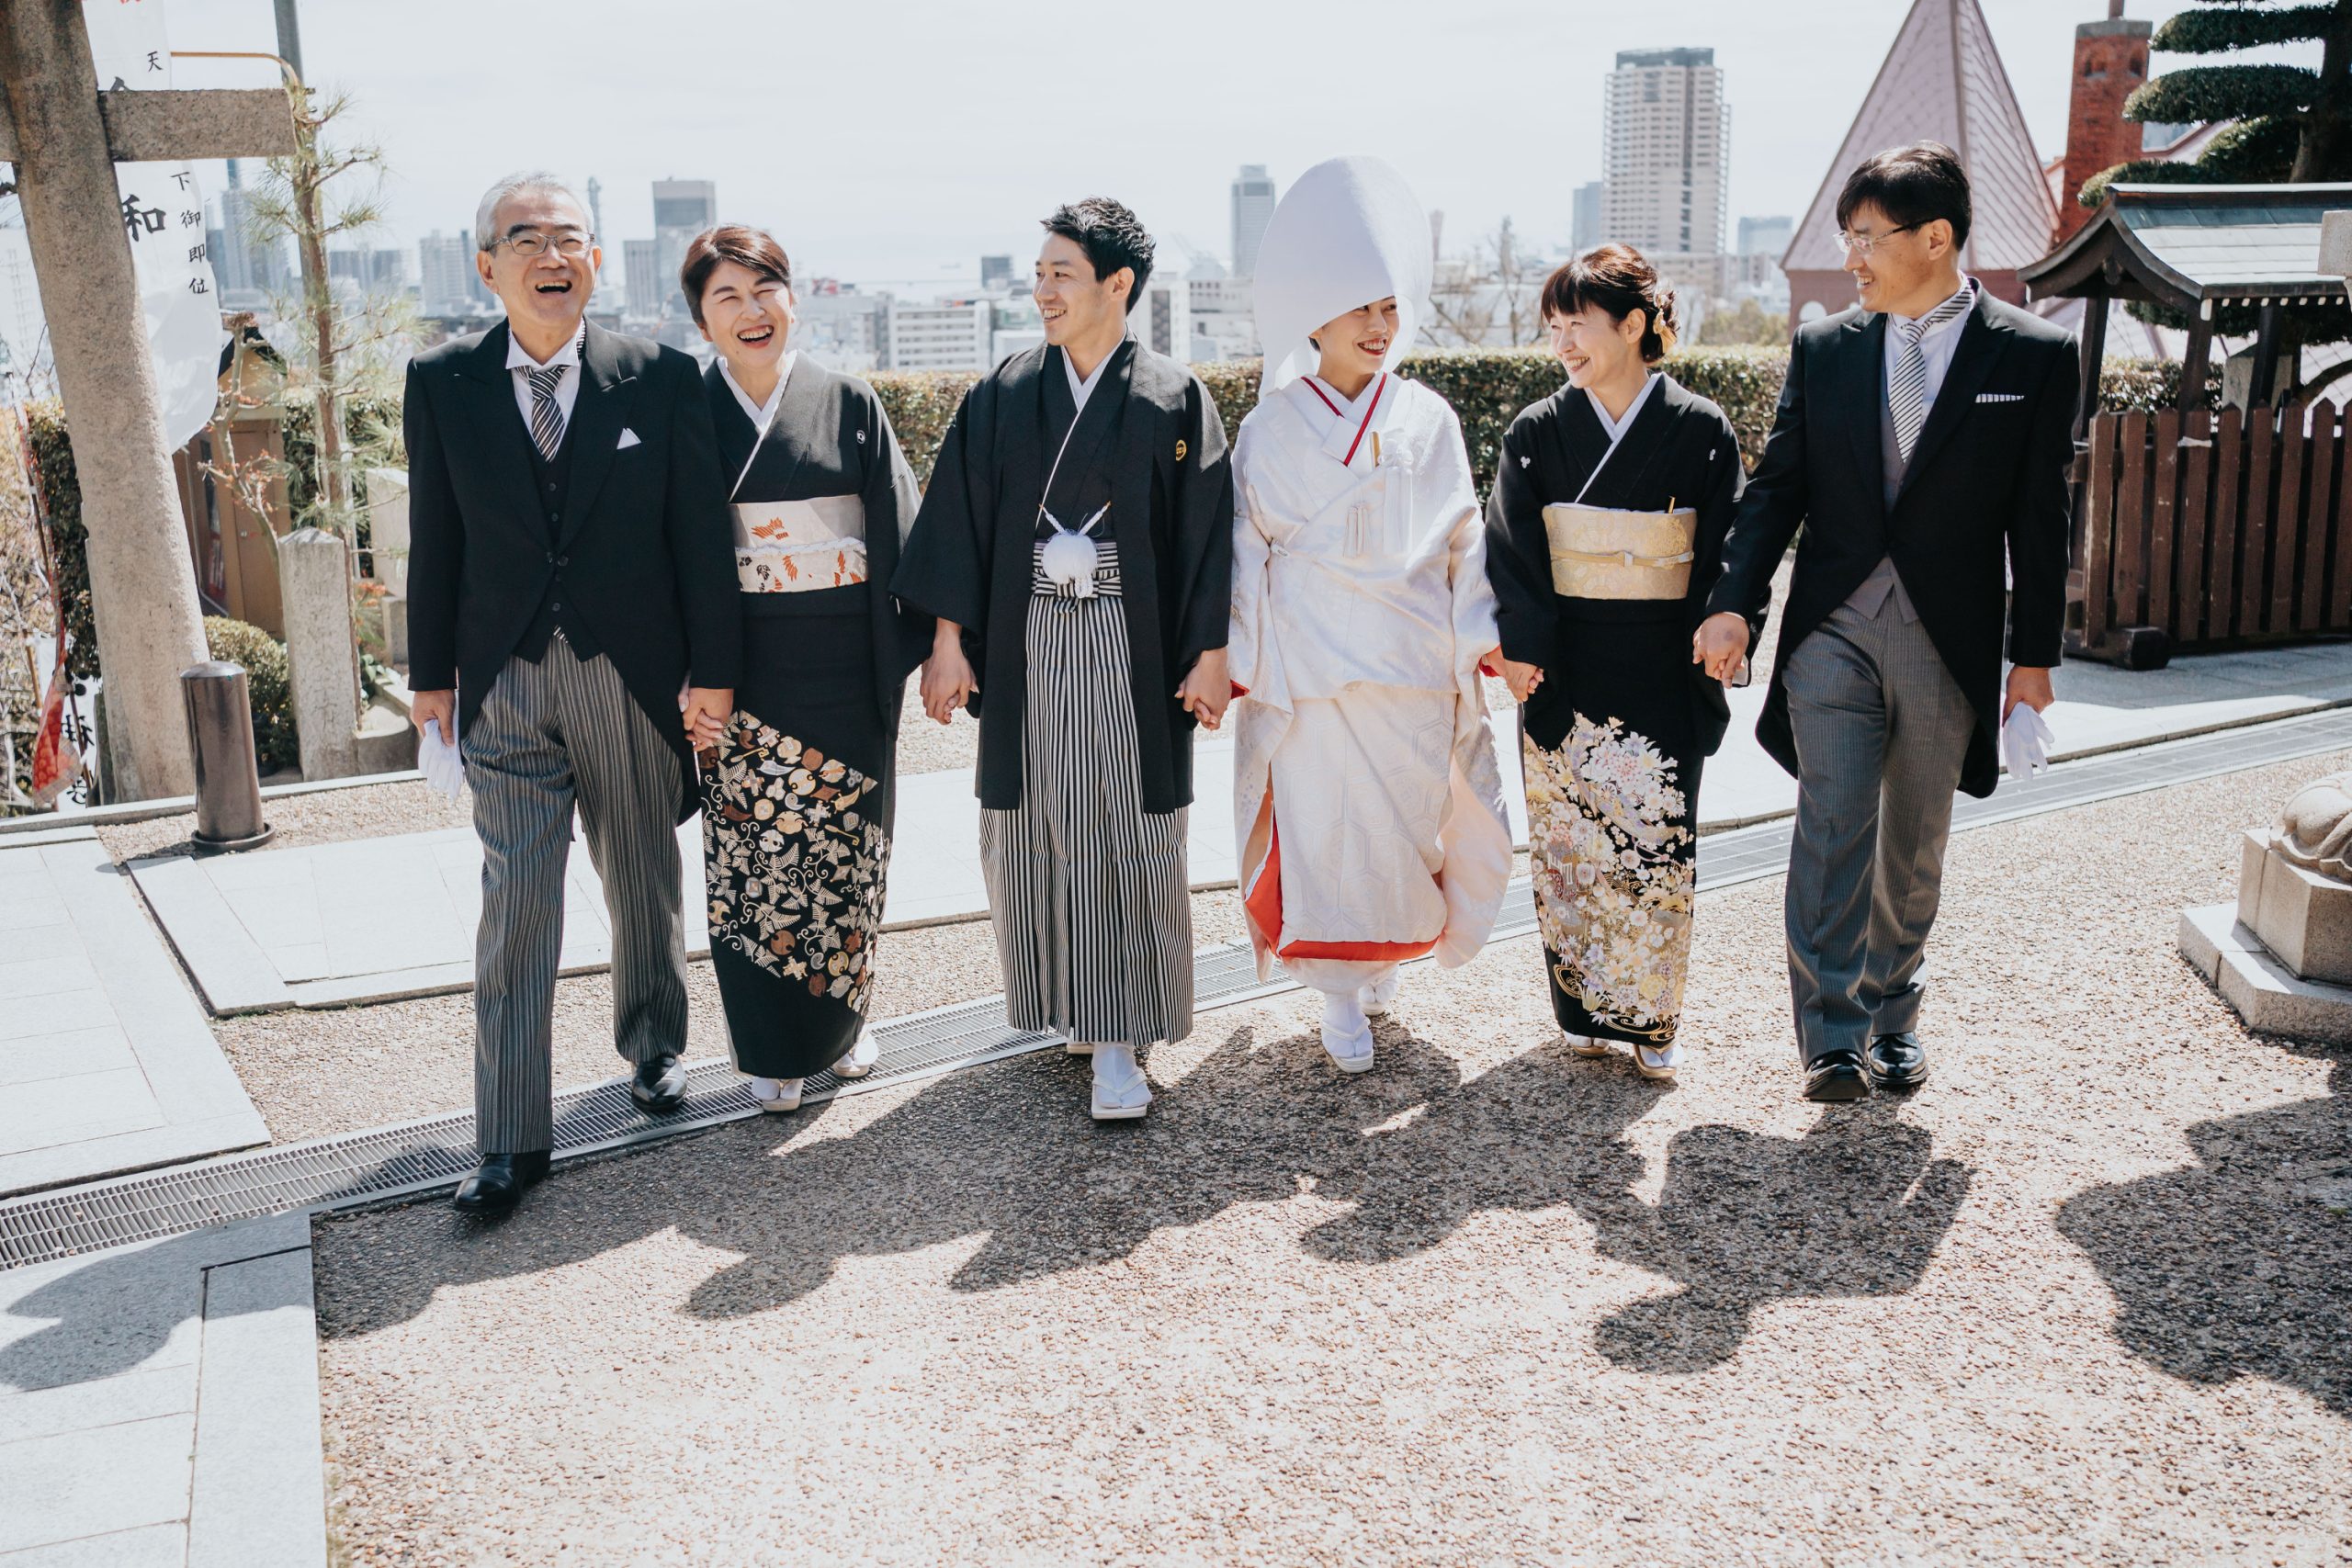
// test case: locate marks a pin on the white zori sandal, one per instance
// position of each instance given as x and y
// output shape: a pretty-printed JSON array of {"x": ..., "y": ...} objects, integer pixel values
[
  {"x": 1121, "y": 1091},
  {"x": 861, "y": 1058},
  {"x": 1379, "y": 998},
  {"x": 777, "y": 1094},
  {"x": 1584, "y": 1046},
  {"x": 1347, "y": 1034}
]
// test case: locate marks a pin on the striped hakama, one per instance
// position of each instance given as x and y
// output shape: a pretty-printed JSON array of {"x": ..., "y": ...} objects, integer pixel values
[{"x": 1087, "y": 889}]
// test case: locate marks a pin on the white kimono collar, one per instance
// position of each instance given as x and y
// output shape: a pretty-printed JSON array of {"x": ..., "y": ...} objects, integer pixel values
[
  {"x": 757, "y": 414},
  {"x": 1348, "y": 426}
]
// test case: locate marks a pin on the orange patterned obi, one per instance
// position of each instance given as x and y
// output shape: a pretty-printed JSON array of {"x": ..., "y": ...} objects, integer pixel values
[{"x": 795, "y": 546}]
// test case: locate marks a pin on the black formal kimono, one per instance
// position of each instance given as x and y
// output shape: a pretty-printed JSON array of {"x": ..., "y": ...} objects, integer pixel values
[
  {"x": 1086, "y": 756},
  {"x": 1613, "y": 740},
  {"x": 796, "y": 799}
]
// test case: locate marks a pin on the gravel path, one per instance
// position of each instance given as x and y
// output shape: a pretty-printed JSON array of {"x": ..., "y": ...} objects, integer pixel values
[{"x": 2083, "y": 1298}]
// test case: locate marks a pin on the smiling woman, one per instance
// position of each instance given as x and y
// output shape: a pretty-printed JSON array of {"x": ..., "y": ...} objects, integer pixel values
[{"x": 797, "y": 789}]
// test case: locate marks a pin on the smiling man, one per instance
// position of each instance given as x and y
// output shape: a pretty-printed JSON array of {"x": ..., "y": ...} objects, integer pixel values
[
  {"x": 1922, "y": 441},
  {"x": 1075, "y": 543},
  {"x": 572, "y": 573}
]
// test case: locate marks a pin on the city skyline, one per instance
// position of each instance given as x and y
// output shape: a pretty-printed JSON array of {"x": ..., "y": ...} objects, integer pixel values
[{"x": 914, "y": 201}]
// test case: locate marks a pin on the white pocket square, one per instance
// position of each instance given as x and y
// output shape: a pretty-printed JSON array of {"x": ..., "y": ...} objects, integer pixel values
[
  {"x": 628, "y": 439},
  {"x": 2000, "y": 397}
]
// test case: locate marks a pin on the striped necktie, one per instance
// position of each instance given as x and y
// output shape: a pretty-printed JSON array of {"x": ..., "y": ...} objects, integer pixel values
[
  {"x": 547, "y": 414},
  {"x": 1906, "y": 394}
]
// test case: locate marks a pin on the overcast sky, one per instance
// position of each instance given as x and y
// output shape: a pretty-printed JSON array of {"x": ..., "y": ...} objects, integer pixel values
[{"x": 897, "y": 139}]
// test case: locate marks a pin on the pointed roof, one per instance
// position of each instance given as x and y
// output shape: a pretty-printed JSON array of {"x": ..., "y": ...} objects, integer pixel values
[{"x": 1943, "y": 80}]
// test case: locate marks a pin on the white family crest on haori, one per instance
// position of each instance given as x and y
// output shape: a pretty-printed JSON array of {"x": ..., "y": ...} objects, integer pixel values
[
  {"x": 1361, "y": 610},
  {"x": 1349, "y": 232}
]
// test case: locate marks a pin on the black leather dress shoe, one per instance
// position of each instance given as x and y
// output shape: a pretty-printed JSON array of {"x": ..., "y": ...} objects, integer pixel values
[
  {"x": 660, "y": 1084},
  {"x": 1897, "y": 1061},
  {"x": 1835, "y": 1075},
  {"x": 497, "y": 1183}
]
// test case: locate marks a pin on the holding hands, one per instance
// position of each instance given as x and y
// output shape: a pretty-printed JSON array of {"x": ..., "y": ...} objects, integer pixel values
[
  {"x": 1522, "y": 679},
  {"x": 705, "y": 711},
  {"x": 947, "y": 683},
  {"x": 1207, "y": 690},
  {"x": 1720, "y": 644}
]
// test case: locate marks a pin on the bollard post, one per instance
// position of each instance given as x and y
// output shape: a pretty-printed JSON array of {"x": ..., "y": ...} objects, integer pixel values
[{"x": 220, "y": 741}]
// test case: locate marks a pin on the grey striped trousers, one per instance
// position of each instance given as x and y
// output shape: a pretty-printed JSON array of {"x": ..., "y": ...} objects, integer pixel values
[
  {"x": 1087, "y": 889},
  {"x": 551, "y": 735}
]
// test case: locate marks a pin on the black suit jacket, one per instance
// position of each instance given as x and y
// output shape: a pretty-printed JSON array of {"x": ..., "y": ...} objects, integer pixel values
[
  {"x": 1989, "y": 471},
  {"x": 645, "y": 556}
]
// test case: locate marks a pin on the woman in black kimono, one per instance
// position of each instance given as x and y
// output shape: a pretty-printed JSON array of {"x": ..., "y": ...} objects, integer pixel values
[
  {"x": 1604, "y": 533},
  {"x": 797, "y": 794}
]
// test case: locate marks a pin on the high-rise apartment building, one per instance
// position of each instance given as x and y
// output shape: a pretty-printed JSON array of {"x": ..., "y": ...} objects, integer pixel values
[
  {"x": 681, "y": 209},
  {"x": 447, "y": 282},
  {"x": 1253, "y": 208},
  {"x": 1667, "y": 147},
  {"x": 640, "y": 280},
  {"x": 1765, "y": 236},
  {"x": 247, "y": 269},
  {"x": 996, "y": 275},
  {"x": 1586, "y": 232}
]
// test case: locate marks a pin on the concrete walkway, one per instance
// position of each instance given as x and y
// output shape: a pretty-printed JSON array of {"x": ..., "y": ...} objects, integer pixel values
[
  {"x": 159, "y": 1405},
  {"x": 105, "y": 1061}
]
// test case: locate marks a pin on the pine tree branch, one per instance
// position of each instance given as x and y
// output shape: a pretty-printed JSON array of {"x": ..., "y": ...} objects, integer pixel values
[
  {"x": 2219, "y": 32},
  {"x": 2223, "y": 92}
]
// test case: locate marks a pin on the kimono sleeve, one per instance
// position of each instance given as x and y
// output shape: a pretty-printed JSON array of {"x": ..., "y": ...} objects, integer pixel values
[
  {"x": 891, "y": 499},
  {"x": 1250, "y": 557},
  {"x": 944, "y": 569},
  {"x": 1473, "y": 597},
  {"x": 1519, "y": 552},
  {"x": 1204, "y": 530},
  {"x": 1723, "y": 482}
]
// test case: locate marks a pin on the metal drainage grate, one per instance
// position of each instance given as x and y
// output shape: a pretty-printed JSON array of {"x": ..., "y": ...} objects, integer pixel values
[{"x": 414, "y": 1158}]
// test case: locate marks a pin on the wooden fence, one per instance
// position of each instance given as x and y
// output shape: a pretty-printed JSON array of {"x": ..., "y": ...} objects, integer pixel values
[{"x": 2217, "y": 530}]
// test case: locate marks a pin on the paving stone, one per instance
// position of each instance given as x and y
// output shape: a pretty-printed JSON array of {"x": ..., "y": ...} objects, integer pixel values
[
  {"x": 95, "y": 1482},
  {"x": 155, "y": 1546}
]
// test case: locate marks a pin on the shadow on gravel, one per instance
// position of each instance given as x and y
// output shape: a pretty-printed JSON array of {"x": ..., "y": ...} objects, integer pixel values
[
  {"x": 1007, "y": 1154},
  {"x": 1855, "y": 1207},
  {"x": 2239, "y": 1265}
]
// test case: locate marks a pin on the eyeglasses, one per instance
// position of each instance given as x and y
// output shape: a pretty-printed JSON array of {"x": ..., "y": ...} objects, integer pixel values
[
  {"x": 571, "y": 243},
  {"x": 1863, "y": 244}
]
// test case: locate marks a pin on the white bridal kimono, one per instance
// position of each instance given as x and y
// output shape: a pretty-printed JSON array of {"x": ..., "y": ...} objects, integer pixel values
[{"x": 1364, "y": 774}]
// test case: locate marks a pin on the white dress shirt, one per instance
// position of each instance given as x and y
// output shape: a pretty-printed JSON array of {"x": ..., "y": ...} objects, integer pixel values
[
  {"x": 1936, "y": 345},
  {"x": 760, "y": 413},
  {"x": 519, "y": 364}
]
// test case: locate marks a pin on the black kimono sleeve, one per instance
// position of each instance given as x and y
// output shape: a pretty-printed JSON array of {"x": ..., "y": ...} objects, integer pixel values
[
  {"x": 1205, "y": 531},
  {"x": 1519, "y": 552},
  {"x": 891, "y": 499},
  {"x": 1724, "y": 481},
  {"x": 944, "y": 567},
  {"x": 702, "y": 538}
]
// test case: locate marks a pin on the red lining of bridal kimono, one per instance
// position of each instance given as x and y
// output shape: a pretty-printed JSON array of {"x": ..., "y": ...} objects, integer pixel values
[{"x": 1264, "y": 904}]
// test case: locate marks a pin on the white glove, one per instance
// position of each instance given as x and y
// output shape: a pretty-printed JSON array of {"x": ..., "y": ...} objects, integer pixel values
[
  {"x": 444, "y": 769},
  {"x": 2024, "y": 743}
]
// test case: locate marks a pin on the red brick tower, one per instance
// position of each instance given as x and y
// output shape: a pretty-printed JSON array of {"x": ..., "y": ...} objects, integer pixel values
[{"x": 2110, "y": 63}]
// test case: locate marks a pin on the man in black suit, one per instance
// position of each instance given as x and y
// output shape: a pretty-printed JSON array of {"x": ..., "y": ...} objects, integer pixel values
[
  {"x": 1921, "y": 440},
  {"x": 572, "y": 588}
]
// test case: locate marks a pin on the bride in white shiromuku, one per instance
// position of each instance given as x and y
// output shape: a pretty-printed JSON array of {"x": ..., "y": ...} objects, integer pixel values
[{"x": 1365, "y": 784}]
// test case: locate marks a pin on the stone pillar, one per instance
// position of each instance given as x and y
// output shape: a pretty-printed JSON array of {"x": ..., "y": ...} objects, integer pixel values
[
  {"x": 314, "y": 570},
  {"x": 387, "y": 550},
  {"x": 141, "y": 585}
]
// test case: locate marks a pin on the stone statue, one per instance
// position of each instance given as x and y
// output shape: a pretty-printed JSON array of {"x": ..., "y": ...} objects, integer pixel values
[{"x": 2315, "y": 830}]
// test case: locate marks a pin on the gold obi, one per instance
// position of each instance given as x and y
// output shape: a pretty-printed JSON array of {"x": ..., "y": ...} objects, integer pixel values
[
  {"x": 793, "y": 547},
  {"x": 1599, "y": 553}
]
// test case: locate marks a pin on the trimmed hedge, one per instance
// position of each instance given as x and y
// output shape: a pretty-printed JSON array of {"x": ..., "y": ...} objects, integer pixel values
[{"x": 1488, "y": 388}]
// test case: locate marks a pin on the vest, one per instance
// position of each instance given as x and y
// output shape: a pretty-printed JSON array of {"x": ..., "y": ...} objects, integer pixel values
[{"x": 551, "y": 487}]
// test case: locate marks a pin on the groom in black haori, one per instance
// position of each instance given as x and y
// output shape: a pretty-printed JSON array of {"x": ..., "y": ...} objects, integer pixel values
[{"x": 1076, "y": 545}]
